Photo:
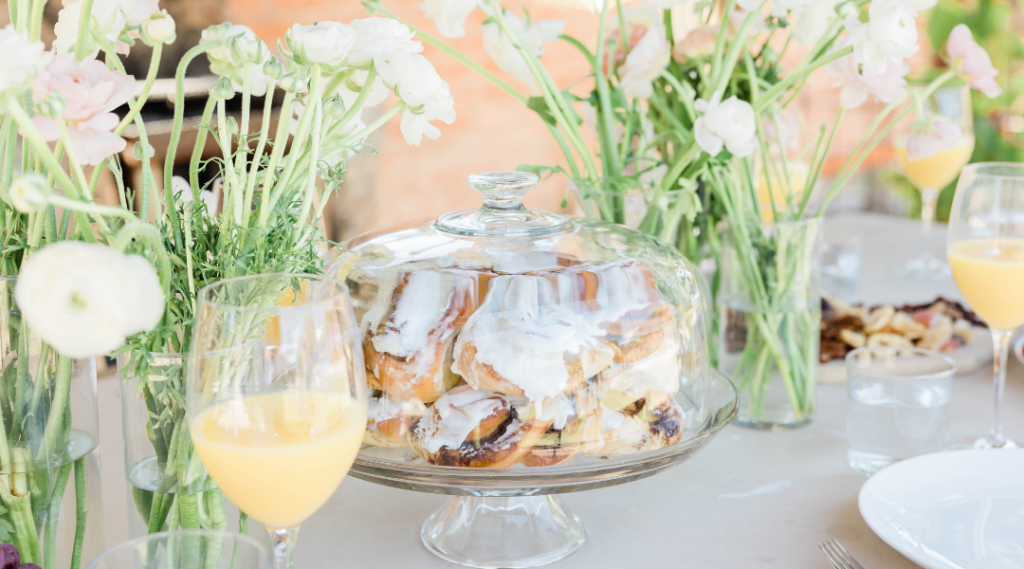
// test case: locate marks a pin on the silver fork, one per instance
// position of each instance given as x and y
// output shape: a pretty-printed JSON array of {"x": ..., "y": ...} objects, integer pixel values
[{"x": 838, "y": 556}]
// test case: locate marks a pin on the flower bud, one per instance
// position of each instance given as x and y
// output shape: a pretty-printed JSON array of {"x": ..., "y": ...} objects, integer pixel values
[
  {"x": 158, "y": 29},
  {"x": 222, "y": 89},
  {"x": 334, "y": 107},
  {"x": 247, "y": 49},
  {"x": 51, "y": 106},
  {"x": 273, "y": 68},
  {"x": 29, "y": 192},
  {"x": 293, "y": 83},
  {"x": 232, "y": 127},
  {"x": 141, "y": 151}
]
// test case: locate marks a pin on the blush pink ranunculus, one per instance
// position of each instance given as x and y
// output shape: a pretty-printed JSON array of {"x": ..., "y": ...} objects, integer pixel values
[
  {"x": 858, "y": 81},
  {"x": 90, "y": 92},
  {"x": 927, "y": 140},
  {"x": 972, "y": 61}
]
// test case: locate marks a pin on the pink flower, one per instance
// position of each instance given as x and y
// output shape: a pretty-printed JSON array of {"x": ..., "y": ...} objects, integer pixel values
[
  {"x": 927, "y": 140},
  {"x": 972, "y": 61},
  {"x": 858, "y": 82},
  {"x": 90, "y": 92}
]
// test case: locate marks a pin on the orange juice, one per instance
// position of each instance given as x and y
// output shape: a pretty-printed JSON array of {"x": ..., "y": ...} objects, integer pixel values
[
  {"x": 280, "y": 455},
  {"x": 936, "y": 172},
  {"x": 989, "y": 273}
]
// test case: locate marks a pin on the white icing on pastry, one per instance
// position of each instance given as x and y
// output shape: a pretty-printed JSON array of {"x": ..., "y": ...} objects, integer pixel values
[
  {"x": 659, "y": 371},
  {"x": 421, "y": 306},
  {"x": 525, "y": 335},
  {"x": 382, "y": 409},
  {"x": 454, "y": 416}
]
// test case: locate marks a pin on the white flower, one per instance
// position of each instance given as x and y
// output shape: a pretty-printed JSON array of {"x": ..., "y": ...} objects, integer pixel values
[
  {"x": 890, "y": 32},
  {"x": 922, "y": 5},
  {"x": 160, "y": 28},
  {"x": 645, "y": 62},
  {"x": 29, "y": 192},
  {"x": 22, "y": 59},
  {"x": 107, "y": 20},
  {"x": 326, "y": 43},
  {"x": 813, "y": 22},
  {"x": 731, "y": 123},
  {"x": 858, "y": 81},
  {"x": 224, "y": 59},
  {"x": 503, "y": 51},
  {"x": 449, "y": 15},
  {"x": 84, "y": 299},
  {"x": 780, "y": 8},
  {"x": 426, "y": 95},
  {"x": 138, "y": 11},
  {"x": 378, "y": 38},
  {"x": 353, "y": 83}
]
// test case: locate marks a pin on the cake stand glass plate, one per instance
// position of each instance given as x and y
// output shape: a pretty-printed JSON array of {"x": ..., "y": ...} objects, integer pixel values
[
  {"x": 952, "y": 510},
  {"x": 513, "y": 355}
]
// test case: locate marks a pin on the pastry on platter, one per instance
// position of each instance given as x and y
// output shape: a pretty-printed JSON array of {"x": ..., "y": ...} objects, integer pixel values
[
  {"x": 561, "y": 441},
  {"x": 388, "y": 420},
  {"x": 475, "y": 428}
]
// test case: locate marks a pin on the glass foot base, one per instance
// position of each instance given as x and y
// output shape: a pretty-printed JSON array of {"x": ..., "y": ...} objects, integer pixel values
[
  {"x": 490, "y": 532},
  {"x": 769, "y": 425},
  {"x": 984, "y": 443},
  {"x": 927, "y": 267}
]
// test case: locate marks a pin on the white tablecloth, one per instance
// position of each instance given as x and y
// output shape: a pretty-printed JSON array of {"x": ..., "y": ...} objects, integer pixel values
[{"x": 749, "y": 500}]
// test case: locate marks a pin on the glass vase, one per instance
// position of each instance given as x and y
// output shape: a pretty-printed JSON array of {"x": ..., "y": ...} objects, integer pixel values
[
  {"x": 50, "y": 503},
  {"x": 168, "y": 487},
  {"x": 769, "y": 320}
]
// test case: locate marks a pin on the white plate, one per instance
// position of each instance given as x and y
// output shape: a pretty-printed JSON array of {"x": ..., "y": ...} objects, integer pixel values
[{"x": 951, "y": 510}]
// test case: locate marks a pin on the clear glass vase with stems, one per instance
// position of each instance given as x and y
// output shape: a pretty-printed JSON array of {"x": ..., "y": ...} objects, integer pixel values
[
  {"x": 930, "y": 175},
  {"x": 986, "y": 253},
  {"x": 50, "y": 503},
  {"x": 173, "y": 550},
  {"x": 167, "y": 485},
  {"x": 770, "y": 313}
]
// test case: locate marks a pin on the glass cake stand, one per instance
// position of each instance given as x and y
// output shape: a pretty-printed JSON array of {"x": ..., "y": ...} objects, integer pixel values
[{"x": 512, "y": 517}]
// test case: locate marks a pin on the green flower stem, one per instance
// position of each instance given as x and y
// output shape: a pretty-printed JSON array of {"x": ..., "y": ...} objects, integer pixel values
[
  {"x": 154, "y": 240},
  {"x": 818, "y": 161},
  {"x": 76, "y": 167},
  {"x": 84, "y": 23},
  {"x": 37, "y": 392},
  {"x": 720, "y": 76},
  {"x": 188, "y": 254},
  {"x": 384, "y": 118},
  {"x": 53, "y": 516},
  {"x": 91, "y": 208},
  {"x": 723, "y": 33},
  {"x": 140, "y": 101},
  {"x": 357, "y": 105},
  {"x": 197, "y": 150},
  {"x": 81, "y": 513},
  {"x": 607, "y": 120},
  {"x": 280, "y": 142},
  {"x": 179, "y": 106},
  {"x": 781, "y": 87},
  {"x": 376, "y": 6},
  {"x": 250, "y": 183},
  {"x": 35, "y": 26},
  {"x": 58, "y": 406},
  {"x": 31, "y": 134},
  {"x": 310, "y": 184},
  {"x": 242, "y": 155},
  {"x": 232, "y": 190},
  {"x": 299, "y": 141}
]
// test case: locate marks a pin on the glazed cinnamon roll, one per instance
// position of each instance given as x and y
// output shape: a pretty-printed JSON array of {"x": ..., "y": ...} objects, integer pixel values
[
  {"x": 561, "y": 441},
  {"x": 388, "y": 421},
  {"x": 643, "y": 425},
  {"x": 472, "y": 428}
]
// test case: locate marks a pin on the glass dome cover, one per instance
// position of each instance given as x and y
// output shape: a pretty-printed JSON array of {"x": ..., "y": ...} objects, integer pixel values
[{"x": 505, "y": 337}]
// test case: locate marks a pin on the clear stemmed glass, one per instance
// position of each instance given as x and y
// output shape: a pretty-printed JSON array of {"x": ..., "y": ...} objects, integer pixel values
[
  {"x": 929, "y": 175},
  {"x": 186, "y": 549},
  {"x": 276, "y": 395},
  {"x": 986, "y": 253}
]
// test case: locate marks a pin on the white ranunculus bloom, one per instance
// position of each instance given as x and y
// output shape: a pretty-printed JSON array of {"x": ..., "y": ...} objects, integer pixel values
[
  {"x": 160, "y": 28},
  {"x": 449, "y": 15},
  {"x": 922, "y": 5},
  {"x": 378, "y": 38},
  {"x": 813, "y": 22},
  {"x": 890, "y": 32},
  {"x": 22, "y": 59},
  {"x": 29, "y": 192},
  {"x": 108, "y": 20},
  {"x": 85, "y": 299},
  {"x": 326, "y": 43},
  {"x": 730, "y": 123},
  {"x": 224, "y": 60},
  {"x": 138, "y": 11},
  {"x": 412, "y": 77},
  {"x": 353, "y": 83},
  {"x": 503, "y": 51},
  {"x": 645, "y": 62}
]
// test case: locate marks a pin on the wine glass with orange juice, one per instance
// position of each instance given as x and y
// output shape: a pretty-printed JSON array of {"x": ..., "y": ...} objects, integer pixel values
[
  {"x": 277, "y": 396},
  {"x": 986, "y": 253},
  {"x": 932, "y": 173}
]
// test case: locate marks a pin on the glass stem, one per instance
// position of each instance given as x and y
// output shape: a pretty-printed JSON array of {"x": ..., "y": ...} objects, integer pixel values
[
  {"x": 283, "y": 540},
  {"x": 929, "y": 199},
  {"x": 1001, "y": 348}
]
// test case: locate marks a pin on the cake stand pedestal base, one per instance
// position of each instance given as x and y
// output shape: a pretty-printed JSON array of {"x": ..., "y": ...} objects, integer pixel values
[{"x": 512, "y": 532}]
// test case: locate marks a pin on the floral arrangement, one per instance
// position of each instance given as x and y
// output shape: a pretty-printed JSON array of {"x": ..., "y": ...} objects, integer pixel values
[
  {"x": 95, "y": 279},
  {"x": 692, "y": 128}
]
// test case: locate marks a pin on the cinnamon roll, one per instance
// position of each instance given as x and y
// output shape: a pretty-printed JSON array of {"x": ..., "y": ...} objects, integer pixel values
[
  {"x": 561, "y": 441},
  {"x": 388, "y": 421},
  {"x": 472, "y": 428},
  {"x": 523, "y": 342},
  {"x": 410, "y": 332},
  {"x": 643, "y": 425}
]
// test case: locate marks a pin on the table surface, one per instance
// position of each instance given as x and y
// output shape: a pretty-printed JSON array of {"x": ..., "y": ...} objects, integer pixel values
[{"x": 750, "y": 499}]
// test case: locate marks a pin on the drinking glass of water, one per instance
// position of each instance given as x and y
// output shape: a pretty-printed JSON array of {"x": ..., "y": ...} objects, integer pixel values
[{"x": 899, "y": 404}]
